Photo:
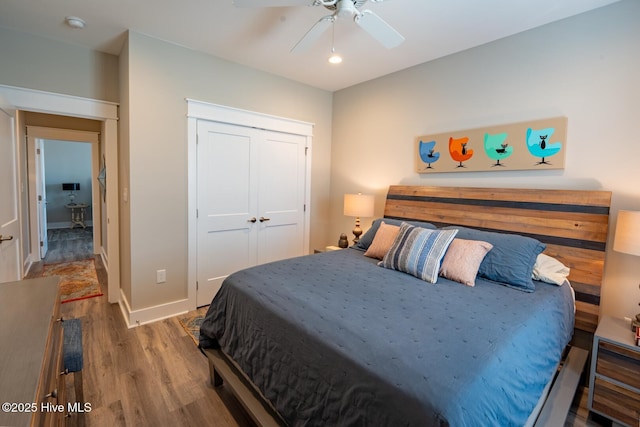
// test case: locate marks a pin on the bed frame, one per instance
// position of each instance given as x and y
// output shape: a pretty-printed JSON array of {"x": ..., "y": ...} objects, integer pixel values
[{"x": 572, "y": 223}]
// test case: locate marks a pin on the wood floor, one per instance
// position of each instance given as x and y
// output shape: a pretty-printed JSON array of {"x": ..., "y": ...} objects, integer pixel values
[{"x": 154, "y": 375}]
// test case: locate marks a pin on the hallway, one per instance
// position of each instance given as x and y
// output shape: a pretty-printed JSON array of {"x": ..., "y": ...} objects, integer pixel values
[{"x": 69, "y": 244}]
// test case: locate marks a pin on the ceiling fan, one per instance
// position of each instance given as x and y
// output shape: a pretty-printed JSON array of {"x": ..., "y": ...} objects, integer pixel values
[{"x": 375, "y": 26}]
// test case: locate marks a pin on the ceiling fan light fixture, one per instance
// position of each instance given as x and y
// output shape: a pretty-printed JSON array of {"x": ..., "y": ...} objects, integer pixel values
[
  {"x": 346, "y": 8},
  {"x": 335, "y": 58}
]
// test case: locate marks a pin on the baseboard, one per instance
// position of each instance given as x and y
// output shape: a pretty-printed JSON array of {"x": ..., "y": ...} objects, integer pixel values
[
  {"x": 105, "y": 259},
  {"x": 146, "y": 315},
  {"x": 66, "y": 224},
  {"x": 26, "y": 266}
]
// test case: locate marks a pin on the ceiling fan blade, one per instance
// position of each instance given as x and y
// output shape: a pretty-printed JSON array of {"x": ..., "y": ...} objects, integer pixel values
[
  {"x": 272, "y": 3},
  {"x": 379, "y": 29},
  {"x": 313, "y": 34}
]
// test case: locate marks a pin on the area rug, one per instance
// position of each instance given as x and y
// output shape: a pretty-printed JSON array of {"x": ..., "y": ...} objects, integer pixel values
[
  {"x": 191, "y": 323},
  {"x": 78, "y": 279}
]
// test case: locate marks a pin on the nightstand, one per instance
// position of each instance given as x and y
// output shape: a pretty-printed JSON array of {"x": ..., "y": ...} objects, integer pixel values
[
  {"x": 614, "y": 382},
  {"x": 326, "y": 249}
]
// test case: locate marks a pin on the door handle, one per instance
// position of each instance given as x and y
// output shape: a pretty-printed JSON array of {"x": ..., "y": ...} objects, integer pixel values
[
  {"x": 3, "y": 238},
  {"x": 252, "y": 219},
  {"x": 263, "y": 219}
]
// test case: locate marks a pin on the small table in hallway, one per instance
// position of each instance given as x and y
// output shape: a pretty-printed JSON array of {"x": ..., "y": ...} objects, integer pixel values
[{"x": 77, "y": 213}]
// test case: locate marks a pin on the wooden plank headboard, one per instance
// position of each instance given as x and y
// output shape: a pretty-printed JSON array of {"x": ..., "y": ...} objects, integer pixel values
[{"x": 572, "y": 223}]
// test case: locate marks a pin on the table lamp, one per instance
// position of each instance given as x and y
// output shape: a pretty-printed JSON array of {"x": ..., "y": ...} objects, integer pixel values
[
  {"x": 627, "y": 238},
  {"x": 71, "y": 187},
  {"x": 358, "y": 205}
]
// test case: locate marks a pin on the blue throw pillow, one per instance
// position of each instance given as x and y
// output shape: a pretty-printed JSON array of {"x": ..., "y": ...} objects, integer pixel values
[
  {"x": 511, "y": 260},
  {"x": 418, "y": 251},
  {"x": 367, "y": 238}
]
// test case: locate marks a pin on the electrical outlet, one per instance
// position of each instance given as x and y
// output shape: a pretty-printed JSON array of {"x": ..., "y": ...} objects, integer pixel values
[{"x": 161, "y": 276}]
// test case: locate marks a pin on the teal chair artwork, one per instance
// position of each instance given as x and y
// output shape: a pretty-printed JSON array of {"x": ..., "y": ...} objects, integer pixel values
[
  {"x": 427, "y": 153},
  {"x": 539, "y": 145},
  {"x": 496, "y": 147}
]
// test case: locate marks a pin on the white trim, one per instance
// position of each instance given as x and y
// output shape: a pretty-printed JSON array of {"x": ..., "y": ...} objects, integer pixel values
[
  {"x": 56, "y": 103},
  {"x": 307, "y": 195},
  {"x": 26, "y": 266},
  {"x": 199, "y": 110},
  {"x": 192, "y": 199},
  {"x": 220, "y": 113},
  {"x": 105, "y": 259},
  {"x": 107, "y": 112},
  {"x": 146, "y": 315},
  {"x": 110, "y": 141}
]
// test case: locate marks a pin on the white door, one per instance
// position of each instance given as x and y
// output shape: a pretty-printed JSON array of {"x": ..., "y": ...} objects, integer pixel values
[
  {"x": 250, "y": 200},
  {"x": 41, "y": 194},
  {"x": 281, "y": 186},
  {"x": 9, "y": 217},
  {"x": 226, "y": 204}
]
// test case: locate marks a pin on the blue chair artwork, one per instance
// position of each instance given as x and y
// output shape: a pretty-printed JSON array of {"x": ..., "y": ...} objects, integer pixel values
[
  {"x": 539, "y": 145},
  {"x": 427, "y": 153},
  {"x": 496, "y": 147}
]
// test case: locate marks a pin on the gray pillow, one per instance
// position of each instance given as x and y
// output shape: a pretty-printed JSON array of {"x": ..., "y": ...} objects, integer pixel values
[
  {"x": 367, "y": 238},
  {"x": 511, "y": 260}
]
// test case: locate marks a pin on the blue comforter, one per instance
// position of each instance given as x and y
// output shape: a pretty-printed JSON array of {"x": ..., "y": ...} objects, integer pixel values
[{"x": 334, "y": 340}]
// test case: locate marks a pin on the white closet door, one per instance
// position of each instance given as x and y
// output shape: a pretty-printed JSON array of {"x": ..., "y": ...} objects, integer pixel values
[
  {"x": 226, "y": 204},
  {"x": 281, "y": 195},
  {"x": 251, "y": 195}
]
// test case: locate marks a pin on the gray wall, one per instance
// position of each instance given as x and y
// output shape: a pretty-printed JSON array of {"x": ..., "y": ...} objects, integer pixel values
[
  {"x": 159, "y": 76},
  {"x": 38, "y": 63},
  {"x": 585, "y": 68}
]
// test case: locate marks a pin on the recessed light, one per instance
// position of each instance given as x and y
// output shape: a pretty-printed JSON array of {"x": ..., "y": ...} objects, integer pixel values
[{"x": 75, "y": 22}]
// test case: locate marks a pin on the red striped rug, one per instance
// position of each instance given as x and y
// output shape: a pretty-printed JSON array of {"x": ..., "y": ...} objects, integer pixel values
[{"x": 78, "y": 279}]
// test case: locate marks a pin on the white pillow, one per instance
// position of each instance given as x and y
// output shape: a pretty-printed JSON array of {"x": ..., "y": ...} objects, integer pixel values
[{"x": 550, "y": 270}]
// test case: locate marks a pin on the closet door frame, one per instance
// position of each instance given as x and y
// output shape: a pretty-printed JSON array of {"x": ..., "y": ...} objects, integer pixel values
[{"x": 200, "y": 110}]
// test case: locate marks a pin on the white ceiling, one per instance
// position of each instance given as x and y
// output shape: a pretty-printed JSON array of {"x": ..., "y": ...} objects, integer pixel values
[{"x": 262, "y": 38}]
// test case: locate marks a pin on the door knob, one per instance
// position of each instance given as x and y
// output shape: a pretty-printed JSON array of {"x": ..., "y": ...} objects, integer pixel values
[
  {"x": 252, "y": 219},
  {"x": 5, "y": 238},
  {"x": 263, "y": 219}
]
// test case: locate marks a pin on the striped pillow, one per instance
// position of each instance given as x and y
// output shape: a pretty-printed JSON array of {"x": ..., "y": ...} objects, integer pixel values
[{"x": 418, "y": 251}]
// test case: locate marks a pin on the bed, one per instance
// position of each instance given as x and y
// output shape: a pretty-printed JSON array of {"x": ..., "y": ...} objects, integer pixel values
[{"x": 336, "y": 339}]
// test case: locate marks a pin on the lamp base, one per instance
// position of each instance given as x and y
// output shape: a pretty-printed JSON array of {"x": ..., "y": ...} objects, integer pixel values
[
  {"x": 357, "y": 231},
  {"x": 635, "y": 323}
]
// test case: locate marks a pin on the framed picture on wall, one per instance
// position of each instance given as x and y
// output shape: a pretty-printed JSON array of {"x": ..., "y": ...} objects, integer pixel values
[{"x": 531, "y": 145}]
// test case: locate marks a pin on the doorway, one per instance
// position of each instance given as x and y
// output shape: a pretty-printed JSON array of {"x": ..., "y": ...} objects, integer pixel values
[
  {"x": 22, "y": 99},
  {"x": 49, "y": 196}
]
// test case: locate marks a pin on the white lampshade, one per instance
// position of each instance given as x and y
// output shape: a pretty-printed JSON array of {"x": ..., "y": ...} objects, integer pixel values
[
  {"x": 358, "y": 205},
  {"x": 627, "y": 238}
]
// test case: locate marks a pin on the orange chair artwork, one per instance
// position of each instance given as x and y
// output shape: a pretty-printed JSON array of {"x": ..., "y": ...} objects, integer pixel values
[{"x": 459, "y": 151}]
